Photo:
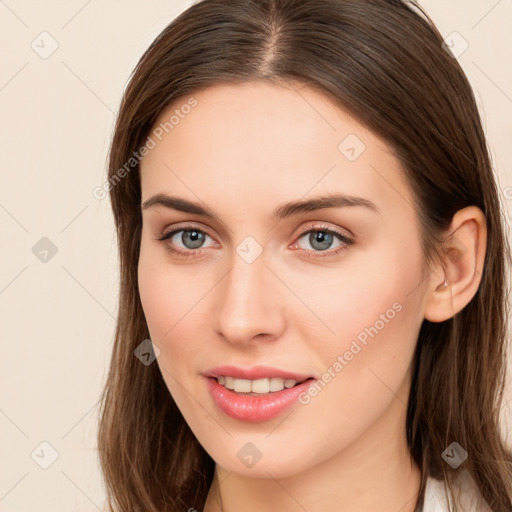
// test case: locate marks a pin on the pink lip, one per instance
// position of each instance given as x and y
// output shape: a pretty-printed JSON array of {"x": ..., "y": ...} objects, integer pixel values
[
  {"x": 257, "y": 372},
  {"x": 255, "y": 408}
]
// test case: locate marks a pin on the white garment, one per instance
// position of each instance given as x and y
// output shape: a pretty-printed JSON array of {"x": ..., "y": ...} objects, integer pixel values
[{"x": 466, "y": 495}]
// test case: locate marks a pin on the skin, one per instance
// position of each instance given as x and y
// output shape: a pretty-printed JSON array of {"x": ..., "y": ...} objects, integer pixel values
[{"x": 243, "y": 151}]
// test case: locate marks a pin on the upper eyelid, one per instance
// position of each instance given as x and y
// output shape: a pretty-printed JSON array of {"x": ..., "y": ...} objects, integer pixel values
[
  {"x": 310, "y": 225},
  {"x": 324, "y": 226},
  {"x": 177, "y": 229}
]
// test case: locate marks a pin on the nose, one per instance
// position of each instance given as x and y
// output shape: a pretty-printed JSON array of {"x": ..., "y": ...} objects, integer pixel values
[{"x": 249, "y": 304}]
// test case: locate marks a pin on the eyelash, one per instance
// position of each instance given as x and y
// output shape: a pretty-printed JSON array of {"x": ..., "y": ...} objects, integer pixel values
[{"x": 321, "y": 229}]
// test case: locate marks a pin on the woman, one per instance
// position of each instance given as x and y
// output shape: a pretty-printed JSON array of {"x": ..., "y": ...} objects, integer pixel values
[{"x": 313, "y": 269}]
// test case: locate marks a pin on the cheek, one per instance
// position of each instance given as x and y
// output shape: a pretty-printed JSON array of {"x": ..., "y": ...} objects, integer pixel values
[
  {"x": 174, "y": 300},
  {"x": 155, "y": 297},
  {"x": 167, "y": 292},
  {"x": 166, "y": 299},
  {"x": 370, "y": 319},
  {"x": 369, "y": 288}
]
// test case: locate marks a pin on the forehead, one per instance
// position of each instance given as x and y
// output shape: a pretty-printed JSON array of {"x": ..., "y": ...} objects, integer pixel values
[
  {"x": 274, "y": 116},
  {"x": 264, "y": 140}
]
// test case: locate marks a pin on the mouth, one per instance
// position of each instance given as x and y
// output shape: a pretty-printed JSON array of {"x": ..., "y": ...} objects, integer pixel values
[{"x": 256, "y": 400}]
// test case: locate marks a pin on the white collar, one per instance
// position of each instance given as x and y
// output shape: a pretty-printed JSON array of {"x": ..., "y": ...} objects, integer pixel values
[{"x": 466, "y": 494}]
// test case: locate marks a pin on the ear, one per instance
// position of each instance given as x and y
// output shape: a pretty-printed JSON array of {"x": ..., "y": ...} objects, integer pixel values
[{"x": 454, "y": 282}]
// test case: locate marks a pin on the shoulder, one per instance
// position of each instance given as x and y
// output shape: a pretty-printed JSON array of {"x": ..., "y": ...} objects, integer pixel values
[{"x": 466, "y": 495}]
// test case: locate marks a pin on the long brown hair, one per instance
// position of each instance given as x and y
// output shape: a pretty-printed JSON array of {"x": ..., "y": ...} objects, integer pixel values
[{"x": 384, "y": 62}]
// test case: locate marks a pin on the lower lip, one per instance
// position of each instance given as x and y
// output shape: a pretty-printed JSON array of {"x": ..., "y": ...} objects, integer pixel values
[{"x": 255, "y": 408}]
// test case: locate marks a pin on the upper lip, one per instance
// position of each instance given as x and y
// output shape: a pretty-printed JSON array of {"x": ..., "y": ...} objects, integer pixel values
[{"x": 256, "y": 372}]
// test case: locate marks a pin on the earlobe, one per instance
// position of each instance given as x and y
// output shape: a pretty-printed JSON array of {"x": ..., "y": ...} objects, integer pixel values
[{"x": 455, "y": 280}]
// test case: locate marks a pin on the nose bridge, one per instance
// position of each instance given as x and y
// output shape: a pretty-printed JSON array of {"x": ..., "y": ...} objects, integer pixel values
[{"x": 247, "y": 298}]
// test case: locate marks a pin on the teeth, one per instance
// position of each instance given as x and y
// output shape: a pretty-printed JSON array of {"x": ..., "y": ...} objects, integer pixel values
[{"x": 260, "y": 386}]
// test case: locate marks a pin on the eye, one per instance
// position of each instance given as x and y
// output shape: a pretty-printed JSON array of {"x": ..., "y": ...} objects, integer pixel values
[
  {"x": 187, "y": 241},
  {"x": 321, "y": 240},
  {"x": 190, "y": 238}
]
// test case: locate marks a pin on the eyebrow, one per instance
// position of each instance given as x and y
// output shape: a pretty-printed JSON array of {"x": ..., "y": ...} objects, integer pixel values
[{"x": 282, "y": 212}]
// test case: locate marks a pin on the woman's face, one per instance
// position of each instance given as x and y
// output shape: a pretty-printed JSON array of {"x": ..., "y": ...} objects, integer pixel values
[{"x": 334, "y": 294}]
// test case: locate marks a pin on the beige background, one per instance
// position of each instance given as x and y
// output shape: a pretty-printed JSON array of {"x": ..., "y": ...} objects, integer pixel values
[{"x": 57, "y": 317}]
